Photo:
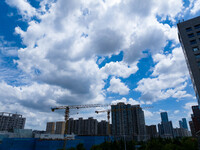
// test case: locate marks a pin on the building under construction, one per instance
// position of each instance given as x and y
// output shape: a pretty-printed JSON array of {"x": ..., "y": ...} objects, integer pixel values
[{"x": 9, "y": 121}]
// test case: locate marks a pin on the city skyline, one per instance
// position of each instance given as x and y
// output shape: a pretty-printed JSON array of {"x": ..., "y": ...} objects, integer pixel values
[{"x": 55, "y": 53}]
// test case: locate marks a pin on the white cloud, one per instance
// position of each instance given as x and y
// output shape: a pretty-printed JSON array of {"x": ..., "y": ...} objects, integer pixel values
[
  {"x": 24, "y": 7},
  {"x": 116, "y": 86},
  {"x": 129, "y": 101},
  {"x": 119, "y": 69},
  {"x": 169, "y": 78},
  {"x": 196, "y": 7},
  {"x": 148, "y": 114},
  {"x": 169, "y": 8},
  {"x": 189, "y": 105},
  {"x": 176, "y": 111},
  {"x": 60, "y": 51}
]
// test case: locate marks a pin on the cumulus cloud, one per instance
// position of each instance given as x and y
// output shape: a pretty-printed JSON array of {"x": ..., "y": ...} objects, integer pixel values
[
  {"x": 196, "y": 7},
  {"x": 127, "y": 101},
  {"x": 24, "y": 8},
  {"x": 119, "y": 69},
  {"x": 116, "y": 86},
  {"x": 167, "y": 80},
  {"x": 60, "y": 51},
  {"x": 169, "y": 8}
]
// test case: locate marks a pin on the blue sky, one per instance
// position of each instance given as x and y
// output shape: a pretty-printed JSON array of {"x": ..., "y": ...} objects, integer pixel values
[{"x": 58, "y": 52}]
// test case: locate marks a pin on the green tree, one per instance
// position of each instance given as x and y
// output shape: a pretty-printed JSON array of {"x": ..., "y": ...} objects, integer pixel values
[{"x": 80, "y": 147}]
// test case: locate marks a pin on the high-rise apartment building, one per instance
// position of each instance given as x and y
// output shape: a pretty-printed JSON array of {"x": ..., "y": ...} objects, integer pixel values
[
  {"x": 83, "y": 126},
  {"x": 103, "y": 128},
  {"x": 128, "y": 121},
  {"x": 151, "y": 131},
  {"x": 60, "y": 127},
  {"x": 50, "y": 128},
  {"x": 9, "y": 121},
  {"x": 165, "y": 128},
  {"x": 189, "y": 37}
]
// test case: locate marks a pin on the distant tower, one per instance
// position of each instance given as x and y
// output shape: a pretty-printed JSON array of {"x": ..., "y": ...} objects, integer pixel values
[
  {"x": 165, "y": 128},
  {"x": 189, "y": 37},
  {"x": 184, "y": 123},
  {"x": 164, "y": 116}
]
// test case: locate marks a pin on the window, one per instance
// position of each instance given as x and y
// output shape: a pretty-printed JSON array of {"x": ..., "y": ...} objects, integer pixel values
[
  {"x": 197, "y": 26},
  {"x": 198, "y": 33},
  {"x": 193, "y": 42},
  {"x": 188, "y": 29},
  {"x": 191, "y": 35},
  {"x": 195, "y": 49},
  {"x": 197, "y": 56}
]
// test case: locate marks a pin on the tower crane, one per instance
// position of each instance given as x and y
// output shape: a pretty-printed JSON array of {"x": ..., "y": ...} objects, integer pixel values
[{"x": 67, "y": 111}]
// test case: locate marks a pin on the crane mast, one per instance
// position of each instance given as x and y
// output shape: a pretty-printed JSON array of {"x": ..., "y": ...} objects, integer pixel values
[{"x": 67, "y": 111}]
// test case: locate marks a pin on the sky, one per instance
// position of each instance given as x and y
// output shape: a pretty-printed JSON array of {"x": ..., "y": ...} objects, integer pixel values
[{"x": 72, "y": 52}]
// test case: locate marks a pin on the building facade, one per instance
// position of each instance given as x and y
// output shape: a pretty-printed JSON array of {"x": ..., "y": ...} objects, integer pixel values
[
  {"x": 164, "y": 117},
  {"x": 165, "y": 128},
  {"x": 183, "y": 123},
  {"x": 9, "y": 121},
  {"x": 103, "y": 128},
  {"x": 128, "y": 121},
  {"x": 50, "y": 128},
  {"x": 60, "y": 127},
  {"x": 151, "y": 131},
  {"x": 196, "y": 118},
  {"x": 189, "y": 37},
  {"x": 181, "y": 132},
  {"x": 83, "y": 126},
  {"x": 192, "y": 128}
]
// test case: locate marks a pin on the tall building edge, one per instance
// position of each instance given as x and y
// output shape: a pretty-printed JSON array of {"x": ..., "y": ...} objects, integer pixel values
[{"x": 189, "y": 37}]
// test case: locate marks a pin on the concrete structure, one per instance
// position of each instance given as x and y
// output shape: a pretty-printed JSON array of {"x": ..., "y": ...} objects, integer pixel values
[
  {"x": 60, "y": 127},
  {"x": 83, "y": 126},
  {"x": 50, "y": 128},
  {"x": 165, "y": 128},
  {"x": 181, "y": 132},
  {"x": 9, "y": 121},
  {"x": 128, "y": 121},
  {"x": 151, "y": 131},
  {"x": 189, "y": 37},
  {"x": 183, "y": 123},
  {"x": 103, "y": 128}
]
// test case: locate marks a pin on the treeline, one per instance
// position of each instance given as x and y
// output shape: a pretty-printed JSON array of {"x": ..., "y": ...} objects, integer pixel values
[{"x": 187, "y": 143}]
